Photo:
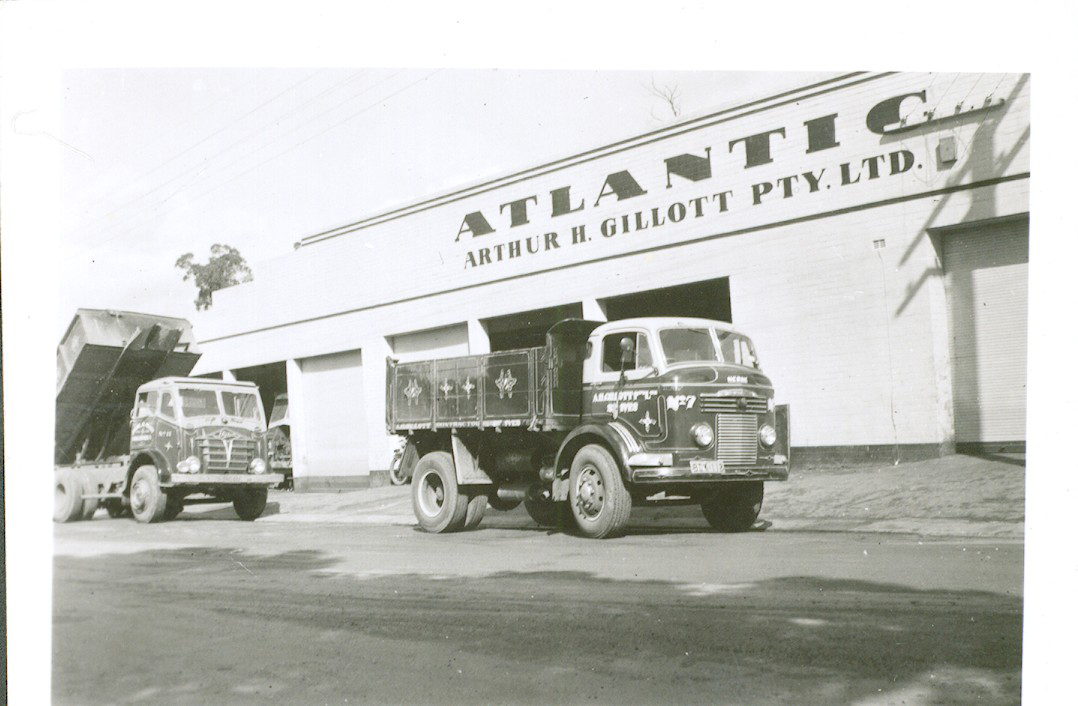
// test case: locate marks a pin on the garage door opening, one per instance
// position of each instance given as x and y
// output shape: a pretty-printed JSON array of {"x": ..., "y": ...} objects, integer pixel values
[
  {"x": 709, "y": 299},
  {"x": 271, "y": 378},
  {"x": 528, "y": 328},
  {"x": 986, "y": 270}
]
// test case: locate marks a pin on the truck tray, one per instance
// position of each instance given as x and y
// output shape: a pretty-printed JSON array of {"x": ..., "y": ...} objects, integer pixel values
[{"x": 100, "y": 363}]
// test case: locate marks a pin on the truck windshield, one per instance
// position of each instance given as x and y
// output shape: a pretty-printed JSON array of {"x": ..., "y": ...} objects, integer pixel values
[
  {"x": 686, "y": 345},
  {"x": 199, "y": 403},
  {"x": 240, "y": 404}
]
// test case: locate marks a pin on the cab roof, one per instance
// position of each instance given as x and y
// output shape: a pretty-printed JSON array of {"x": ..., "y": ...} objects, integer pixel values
[
  {"x": 652, "y": 323},
  {"x": 199, "y": 382}
]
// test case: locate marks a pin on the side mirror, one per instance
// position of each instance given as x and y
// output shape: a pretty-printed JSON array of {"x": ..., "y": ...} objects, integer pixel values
[{"x": 626, "y": 351}]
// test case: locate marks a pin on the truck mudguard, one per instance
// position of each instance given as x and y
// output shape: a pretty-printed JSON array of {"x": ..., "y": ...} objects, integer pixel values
[{"x": 582, "y": 435}]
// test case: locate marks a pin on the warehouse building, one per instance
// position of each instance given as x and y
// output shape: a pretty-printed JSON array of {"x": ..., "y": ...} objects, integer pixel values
[{"x": 870, "y": 233}]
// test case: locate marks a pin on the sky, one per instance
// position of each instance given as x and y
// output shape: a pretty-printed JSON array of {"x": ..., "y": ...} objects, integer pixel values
[
  {"x": 159, "y": 162},
  {"x": 124, "y": 144}
]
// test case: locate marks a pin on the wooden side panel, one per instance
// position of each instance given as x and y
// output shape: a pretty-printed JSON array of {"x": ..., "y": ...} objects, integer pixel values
[
  {"x": 509, "y": 385},
  {"x": 413, "y": 394},
  {"x": 456, "y": 389}
]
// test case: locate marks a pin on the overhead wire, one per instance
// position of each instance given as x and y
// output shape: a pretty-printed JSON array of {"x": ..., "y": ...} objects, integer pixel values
[
  {"x": 191, "y": 147},
  {"x": 204, "y": 166},
  {"x": 170, "y": 130},
  {"x": 280, "y": 154}
]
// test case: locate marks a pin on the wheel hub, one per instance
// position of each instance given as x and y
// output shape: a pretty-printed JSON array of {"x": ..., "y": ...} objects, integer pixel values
[
  {"x": 433, "y": 496},
  {"x": 590, "y": 492},
  {"x": 138, "y": 496}
]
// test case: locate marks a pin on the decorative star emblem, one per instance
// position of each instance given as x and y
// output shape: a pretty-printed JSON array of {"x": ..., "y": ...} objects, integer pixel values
[
  {"x": 446, "y": 387},
  {"x": 505, "y": 383},
  {"x": 647, "y": 421},
  {"x": 468, "y": 387},
  {"x": 168, "y": 446},
  {"x": 412, "y": 391}
]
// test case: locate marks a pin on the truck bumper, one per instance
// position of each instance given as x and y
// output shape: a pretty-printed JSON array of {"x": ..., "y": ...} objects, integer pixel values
[
  {"x": 684, "y": 475},
  {"x": 660, "y": 468},
  {"x": 185, "y": 479}
]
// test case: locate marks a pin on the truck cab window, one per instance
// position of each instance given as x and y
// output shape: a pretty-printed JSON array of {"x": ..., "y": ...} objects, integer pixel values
[
  {"x": 146, "y": 404},
  {"x": 167, "y": 409},
  {"x": 641, "y": 352}
]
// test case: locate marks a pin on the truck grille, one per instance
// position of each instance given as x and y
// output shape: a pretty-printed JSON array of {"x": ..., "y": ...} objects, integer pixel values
[
  {"x": 735, "y": 438},
  {"x": 732, "y": 405},
  {"x": 216, "y": 456}
]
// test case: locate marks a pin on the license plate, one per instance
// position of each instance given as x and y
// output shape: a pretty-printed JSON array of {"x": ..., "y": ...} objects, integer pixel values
[{"x": 715, "y": 467}]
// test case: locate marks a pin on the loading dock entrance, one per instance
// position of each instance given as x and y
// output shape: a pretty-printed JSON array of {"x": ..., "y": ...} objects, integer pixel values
[{"x": 707, "y": 299}]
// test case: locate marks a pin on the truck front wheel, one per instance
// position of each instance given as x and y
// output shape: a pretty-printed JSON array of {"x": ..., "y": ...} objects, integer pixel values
[
  {"x": 735, "y": 506},
  {"x": 249, "y": 503},
  {"x": 67, "y": 497},
  {"x": 597, "y": 495},
  {"x": 148, "y": 501},
  {"x": 437, "y": 501}
]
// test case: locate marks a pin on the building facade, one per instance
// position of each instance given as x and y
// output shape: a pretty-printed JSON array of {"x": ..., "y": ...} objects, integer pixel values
[{"x": 870, "y": 233}]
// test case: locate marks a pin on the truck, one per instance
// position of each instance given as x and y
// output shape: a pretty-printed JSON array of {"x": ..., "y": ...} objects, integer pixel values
[
  {"x": 279, "y": 438},
  {"x": 604, "y": 416},
  {"x": 136, "y": 435}
]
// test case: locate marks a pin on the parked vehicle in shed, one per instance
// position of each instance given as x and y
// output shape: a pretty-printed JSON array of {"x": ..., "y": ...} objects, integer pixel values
[
  {"x": 279, "y": 439},
  {"x": 604, "y": 416},
  {"x": 183, "y": 440}
]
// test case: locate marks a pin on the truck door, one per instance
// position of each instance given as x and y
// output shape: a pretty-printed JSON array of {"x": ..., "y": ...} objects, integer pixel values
[
  {"x": 168, "y": 439},
  {"x": 144, "y": 420}
]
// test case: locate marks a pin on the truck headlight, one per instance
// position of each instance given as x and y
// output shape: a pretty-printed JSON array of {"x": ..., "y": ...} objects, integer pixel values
[
  {"x": 703, "y": 434},
  {"x": 768, "y": 435},
  {"x": 191, "y": 464},
  {"x": 258, "y": 465}
]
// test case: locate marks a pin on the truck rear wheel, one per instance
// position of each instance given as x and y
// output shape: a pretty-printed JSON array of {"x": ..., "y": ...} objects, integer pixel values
[
  {"x": 89, "y": 507},
  {"x": 477, "y": 507},
  {"x": 438, "y": 504},
  {"x": 249, "y": 503},
  {"x": 148, "y": 501},
  {"x": 597, "y": 495},
  {"x": 67, "y": 498},
  {"x": 735, "y": 506}
]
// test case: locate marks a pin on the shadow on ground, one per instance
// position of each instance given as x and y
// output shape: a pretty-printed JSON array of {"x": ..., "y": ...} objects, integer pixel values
[{"x": 298, "y": 626}]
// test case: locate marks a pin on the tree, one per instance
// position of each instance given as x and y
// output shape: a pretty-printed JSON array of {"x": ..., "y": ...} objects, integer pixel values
[
  {"x": 668, "y": 95},
  {"x": 225, "y": 268}
]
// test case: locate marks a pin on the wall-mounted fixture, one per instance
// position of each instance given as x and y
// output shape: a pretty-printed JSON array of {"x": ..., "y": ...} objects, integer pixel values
[{"x": 946, "y": 150}]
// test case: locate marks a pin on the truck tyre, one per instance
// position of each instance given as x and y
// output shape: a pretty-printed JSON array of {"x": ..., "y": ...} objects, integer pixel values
[
  {"x": 249, "y": 503},
  {"x": 477, "y": 507},
  {"x": 67, "y": 498},
  {"x": 173, "y": 506},
  {"x": 89, "y": 508},
  {"x": 735, "y": 506},
  {"x": 597, "y": 495},
  {"x": 438, "y": 504},
  {"x": 147, "y": 499}
]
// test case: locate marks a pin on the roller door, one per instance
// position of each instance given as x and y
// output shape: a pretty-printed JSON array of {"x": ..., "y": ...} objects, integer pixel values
[
  {"x": 334, "y": 421},
  {"x": 986, "y": 271}
]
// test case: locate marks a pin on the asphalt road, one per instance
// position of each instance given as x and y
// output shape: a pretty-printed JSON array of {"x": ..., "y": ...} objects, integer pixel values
[{"x": 210, "y": 610}]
